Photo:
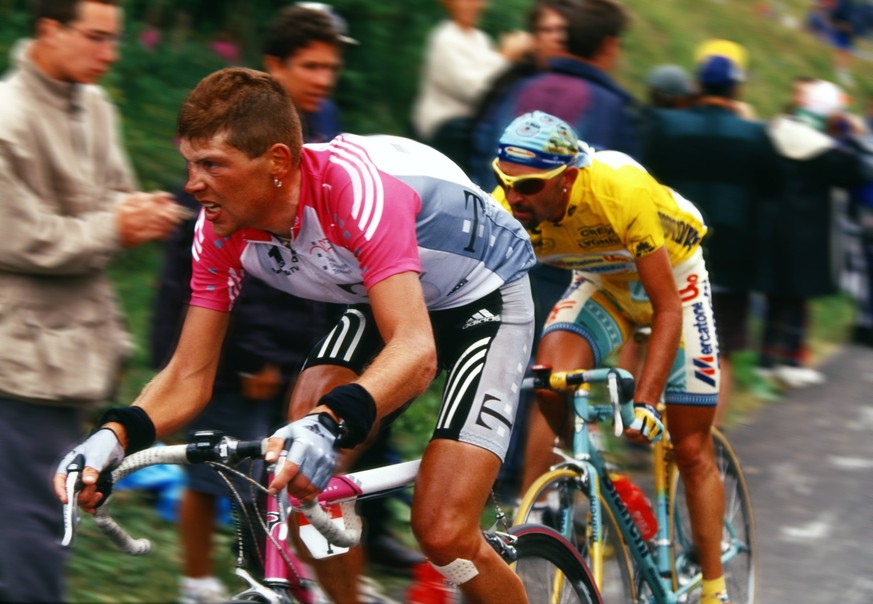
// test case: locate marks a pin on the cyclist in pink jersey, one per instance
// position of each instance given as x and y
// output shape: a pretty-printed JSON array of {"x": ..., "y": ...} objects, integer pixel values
[{"x": 434, "y": 271}]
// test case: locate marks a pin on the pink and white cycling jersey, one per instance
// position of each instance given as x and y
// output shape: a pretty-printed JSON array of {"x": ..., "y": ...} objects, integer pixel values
[{"x": 371, "y": 207}]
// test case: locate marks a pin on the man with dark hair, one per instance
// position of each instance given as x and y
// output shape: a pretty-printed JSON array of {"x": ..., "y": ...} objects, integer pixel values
[
  {"x": 436, "y": 276},
  {"x": 575, "y": 87},
  {"x": 728, "y": 166},
  {"x": 303, "y": 51},
  {"x": 69, "y": 206},
  {"x": 640, "y": 269}
]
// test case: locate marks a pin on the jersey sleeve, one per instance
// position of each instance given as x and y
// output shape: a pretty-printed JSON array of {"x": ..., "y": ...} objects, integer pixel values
[
  {"x": 375, "y": 218},
  {"x": 216, "y": 270},
  {"x": 635, "y": 211}
]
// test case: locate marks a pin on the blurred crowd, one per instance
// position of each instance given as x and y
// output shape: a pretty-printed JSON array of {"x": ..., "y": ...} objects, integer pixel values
[{"x": 788, "y": 199}]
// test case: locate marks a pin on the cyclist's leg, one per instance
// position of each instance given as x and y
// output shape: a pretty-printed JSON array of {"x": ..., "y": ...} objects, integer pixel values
[
  {"x": 485, "y": 346},
  {"x": 548, "y": 416},
  {"x": 584, "y": 326},
  {"x": 691, "y": 397},
  {"x": 690, "y": 432},
  {"x": 446, "y": 508}
]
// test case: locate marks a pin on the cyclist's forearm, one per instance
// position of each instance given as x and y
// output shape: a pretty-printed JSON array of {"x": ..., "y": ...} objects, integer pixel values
[
  {"x": 663, "y": 345},
  {"x": 169, "y": 402},
  {"x": 402, "y": 371}
]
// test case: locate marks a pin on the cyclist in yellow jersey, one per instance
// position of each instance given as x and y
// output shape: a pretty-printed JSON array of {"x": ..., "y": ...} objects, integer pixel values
[{"x": 634, "y": 247}]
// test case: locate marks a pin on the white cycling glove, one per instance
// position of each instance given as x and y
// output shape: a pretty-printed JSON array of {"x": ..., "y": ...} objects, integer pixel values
[
  {"x": 313, "y": 446},
  {"x": 101, "y": 451},
  {"x": 648, "y": 421}
]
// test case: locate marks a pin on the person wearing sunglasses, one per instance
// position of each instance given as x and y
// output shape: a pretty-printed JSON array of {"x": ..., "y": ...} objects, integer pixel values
[{"x": 634, "y": 247}]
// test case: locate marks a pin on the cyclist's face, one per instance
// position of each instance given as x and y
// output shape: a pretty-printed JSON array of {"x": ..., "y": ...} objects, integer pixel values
[
  {"x": 236, "y": 191},
  {"x": 309, "y": 75},
  {"x": 548, "y": 204}
]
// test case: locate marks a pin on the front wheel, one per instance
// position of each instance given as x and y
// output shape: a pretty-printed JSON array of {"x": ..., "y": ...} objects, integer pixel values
[
  {"x": 550, "y": 568},
  {"x": 738, "y": 535},
  {"x": 559, "y": 499}
]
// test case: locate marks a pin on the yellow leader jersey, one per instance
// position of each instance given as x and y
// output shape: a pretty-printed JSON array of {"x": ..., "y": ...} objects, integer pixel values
[{"x": 617, "y": 212}]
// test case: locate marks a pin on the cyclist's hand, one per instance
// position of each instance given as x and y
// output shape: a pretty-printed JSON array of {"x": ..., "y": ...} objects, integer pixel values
[
  {"x": 101, "y": 451},
  {"x": 647, "y": 426},
  {"x": 310, "y": 459}
]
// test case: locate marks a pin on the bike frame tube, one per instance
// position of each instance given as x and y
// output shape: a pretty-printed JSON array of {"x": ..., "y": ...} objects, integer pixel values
[
  {"x": 340, "y": 489},
  {"x": 276, "y": 571},
  {"x": 600, "y": 482}
]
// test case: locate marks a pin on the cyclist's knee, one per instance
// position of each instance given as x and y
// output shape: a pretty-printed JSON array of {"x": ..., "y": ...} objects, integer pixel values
[
  {"x": 693, "y": 456},
  {"x": 444, "y": 539}
]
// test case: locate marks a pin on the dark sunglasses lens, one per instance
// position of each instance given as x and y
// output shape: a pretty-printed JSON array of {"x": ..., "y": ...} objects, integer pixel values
[{"x": 529, "y": 186}]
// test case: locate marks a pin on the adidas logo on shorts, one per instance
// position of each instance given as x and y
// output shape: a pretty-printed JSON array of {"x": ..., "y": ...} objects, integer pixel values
[{"x": 479, "y": 317}]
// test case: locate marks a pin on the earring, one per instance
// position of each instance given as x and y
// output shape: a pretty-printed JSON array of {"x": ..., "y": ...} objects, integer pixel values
[
  {"x": 277, "y": 183},
  {"x": 565, "y": 189}
]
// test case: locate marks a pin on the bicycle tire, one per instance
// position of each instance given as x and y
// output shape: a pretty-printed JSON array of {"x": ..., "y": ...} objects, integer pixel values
[
  {"x": 739, "y": 528},
  {"x": 564, "y": 487},
  {"x": 550, "y": 568}
]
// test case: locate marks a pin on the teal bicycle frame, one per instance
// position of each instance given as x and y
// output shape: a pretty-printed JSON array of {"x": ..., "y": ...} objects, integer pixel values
[{"x": 653, "y": 562}]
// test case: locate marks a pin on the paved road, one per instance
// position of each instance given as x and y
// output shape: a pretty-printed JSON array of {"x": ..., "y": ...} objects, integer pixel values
[{"x": 809, "y": 463}]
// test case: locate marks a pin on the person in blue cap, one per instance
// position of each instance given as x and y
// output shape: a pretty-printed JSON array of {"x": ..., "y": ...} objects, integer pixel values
[{"x": 634, "y": 247}]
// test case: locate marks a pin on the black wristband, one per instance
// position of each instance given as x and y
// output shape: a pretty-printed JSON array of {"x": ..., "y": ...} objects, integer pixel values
[
  {"x": 137, "y": 424},
  {"x": 357, "y": 410}
]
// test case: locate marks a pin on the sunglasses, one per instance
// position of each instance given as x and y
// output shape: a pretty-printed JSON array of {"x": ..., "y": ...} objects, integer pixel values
[{"x": 529, "y": 184}]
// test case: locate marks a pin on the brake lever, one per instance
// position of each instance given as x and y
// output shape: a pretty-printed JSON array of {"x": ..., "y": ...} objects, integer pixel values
[
  {"x": 71, "y": 508},
  {"x": 282, "y": 500},
  {"x": 615, "y": 400}
]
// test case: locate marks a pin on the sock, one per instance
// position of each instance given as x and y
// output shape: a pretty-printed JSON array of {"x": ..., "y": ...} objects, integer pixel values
[{"x": 714, "y": 592}]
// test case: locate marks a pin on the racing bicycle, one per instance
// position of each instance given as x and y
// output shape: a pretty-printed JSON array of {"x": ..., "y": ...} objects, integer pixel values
[
  {"x": 551, "y": 569},
  {"x": 579, "y": 498}
]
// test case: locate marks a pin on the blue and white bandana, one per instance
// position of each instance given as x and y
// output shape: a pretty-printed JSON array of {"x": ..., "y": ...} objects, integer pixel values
[{"x": 543, "y": 141}]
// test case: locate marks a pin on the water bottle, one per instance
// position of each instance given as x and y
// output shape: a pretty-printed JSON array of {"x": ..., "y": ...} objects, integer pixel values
[
  {"x": 430, "y": 587},
  {"x": 637, "y": 504}
]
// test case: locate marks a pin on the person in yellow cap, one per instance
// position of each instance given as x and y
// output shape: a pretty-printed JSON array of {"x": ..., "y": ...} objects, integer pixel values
[
  {"x": 634, "y": 246},
  {"x": 723, "y": 48}
]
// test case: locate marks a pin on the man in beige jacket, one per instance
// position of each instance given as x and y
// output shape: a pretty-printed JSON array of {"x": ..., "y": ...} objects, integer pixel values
[{"x": 68, "y": 206}]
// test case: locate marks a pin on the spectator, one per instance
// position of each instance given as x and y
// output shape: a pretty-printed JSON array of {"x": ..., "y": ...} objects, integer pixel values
[
  {"x": 303, "y": 50},
  {"x": 69, "y": 207},
  {"x": 460, "y": 63},
  {"x": 728, "y": 166},
  {"x": 547, "y": 22},
  {"x": 576, "y": 87},
  {"x": 303, "y": 47},
  {"x": 798, "y": 262},
  {"x": 669, "y": 87}
]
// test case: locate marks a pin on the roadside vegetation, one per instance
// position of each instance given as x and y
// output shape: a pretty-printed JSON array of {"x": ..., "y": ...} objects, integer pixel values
[{"x": 376, "y": 93}]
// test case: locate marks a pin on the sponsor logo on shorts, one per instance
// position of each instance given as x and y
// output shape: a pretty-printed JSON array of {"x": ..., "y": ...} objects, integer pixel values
[
  {"x": 704, "y": 336},
  {"x": 690, "y": 291},
  {"x": 704, "y": 370},
  {"x": 562, "y": 305},
  {"x": 481, "y": 316}
]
